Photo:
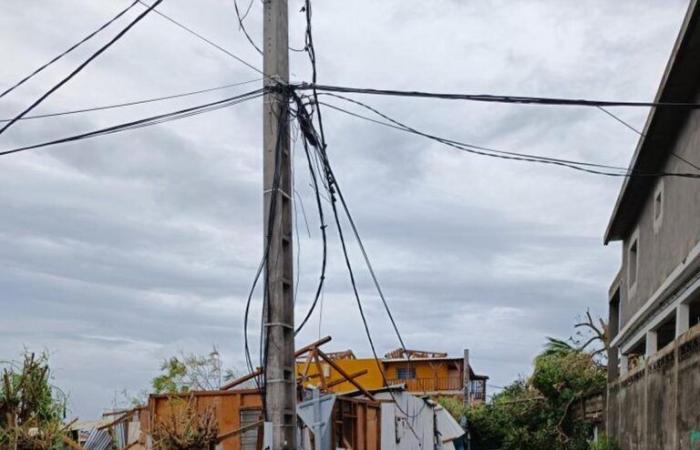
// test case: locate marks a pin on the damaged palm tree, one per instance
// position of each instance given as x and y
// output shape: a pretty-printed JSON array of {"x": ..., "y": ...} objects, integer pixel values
[
  {"x": 186, "y": 429},
  {"x": 31, "y": 416}
]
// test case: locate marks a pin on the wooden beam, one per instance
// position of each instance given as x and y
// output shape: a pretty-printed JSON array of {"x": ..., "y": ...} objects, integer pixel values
[
  {"x": 345, "y": 374},
  {"x": 258, "y": 371},
  {"x": 242, "y": 379},
  {"x": 319, "y": 369},
  {"x": 230, "y": 434},
  {"x": 313, "y": 345},
  {"x": 117, "y": 420},
  {"x": 357, "y": 374},
  {"x": 307, "y": 366}
]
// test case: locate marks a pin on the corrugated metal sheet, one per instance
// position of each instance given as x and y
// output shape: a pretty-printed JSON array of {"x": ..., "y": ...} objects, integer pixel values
[
  {"x": 120, "y": 434},
  {"x": 98, "y": 440}
]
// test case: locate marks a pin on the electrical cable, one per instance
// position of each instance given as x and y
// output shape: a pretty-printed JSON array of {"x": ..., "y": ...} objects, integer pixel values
[
  {"x": 69, "y": 50},
  {"x": 205, "y": 39},
  {"x": 80, "y": 67},
  {"x": 477, "y": 147},
  {"x": 318, "y": 141},
  {"x": 674, "y": 154},
  {"x": 242, "y": 27},
  {"x": 148, "y": 121},
  {"x": 133, "y": 103},
  {"x": 324, "y": 237},
  {"x": 312, "y": 137},
  {"x": 261, "y": 381},
  {"x": 490, "y": 98},
  {"x": 484, "y": 151}
]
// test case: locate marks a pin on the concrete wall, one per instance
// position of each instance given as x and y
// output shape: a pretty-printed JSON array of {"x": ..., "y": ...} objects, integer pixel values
[
  {"x": 662, "y": 248},
  {"x": 657, "y": 405}
]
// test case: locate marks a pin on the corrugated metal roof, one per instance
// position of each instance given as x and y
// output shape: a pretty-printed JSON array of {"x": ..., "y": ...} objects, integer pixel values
[{"x": 98, "y": 440}]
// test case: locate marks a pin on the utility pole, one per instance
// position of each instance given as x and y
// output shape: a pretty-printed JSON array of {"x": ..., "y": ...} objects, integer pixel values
[
  {"x": 467, "y": 380},
  {"x": 279, "y": 313}
]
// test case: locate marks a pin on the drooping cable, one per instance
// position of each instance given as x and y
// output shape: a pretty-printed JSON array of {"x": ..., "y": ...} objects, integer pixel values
[
  {"x": 80, "y": 67},
  {"x": 133, "y": 103},
  {"x": 148, "y": 121},
  {"x": 614, "y": 171},
  {"x": 318, "y": 141},
  {"x": 314, "y": 140},
  {"x": 241, "y": 26},
  {"x": 324, "y": 237},
  {"x": 69, "y": 50}
]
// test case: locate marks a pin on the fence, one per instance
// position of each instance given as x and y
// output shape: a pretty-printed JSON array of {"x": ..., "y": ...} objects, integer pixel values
[{"x": 655, "y": 406}]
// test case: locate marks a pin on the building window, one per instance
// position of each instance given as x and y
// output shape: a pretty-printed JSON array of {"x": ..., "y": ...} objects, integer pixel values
[
  {"x": 658, "y": 206},
  {"x": 405, "y": 373},
  {"x": 633, "y": 263}
]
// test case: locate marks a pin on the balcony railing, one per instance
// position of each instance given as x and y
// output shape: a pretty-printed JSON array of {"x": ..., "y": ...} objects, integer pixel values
[
  {"x": 437, "y": 385},
  {"x": 430, "y": 384}
]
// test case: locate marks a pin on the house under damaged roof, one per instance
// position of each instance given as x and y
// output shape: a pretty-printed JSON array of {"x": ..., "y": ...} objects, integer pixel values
[{"x": 388, "y": 418}]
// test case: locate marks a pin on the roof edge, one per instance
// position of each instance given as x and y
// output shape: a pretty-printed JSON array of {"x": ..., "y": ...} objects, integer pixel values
[{"x": 615, "y": 230}]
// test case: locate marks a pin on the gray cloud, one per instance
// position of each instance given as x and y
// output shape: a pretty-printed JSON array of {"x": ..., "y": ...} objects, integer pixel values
[{"x": 119, "y": 251}]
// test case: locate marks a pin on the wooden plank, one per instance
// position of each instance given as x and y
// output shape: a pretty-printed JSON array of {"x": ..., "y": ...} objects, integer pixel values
[
  {"x": 354, "y": 375},
  {"x": 319, "y": 369},
  {"x": 258, "y": 371},
  {"x": 341, "y": 371},
  {"x": 230, "y": 434}
]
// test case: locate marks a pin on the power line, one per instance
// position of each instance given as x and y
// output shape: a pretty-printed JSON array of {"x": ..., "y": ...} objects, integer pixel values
[
  {"x": 80, "y": 67},
  {"x": 148, "y": 121},
  {"x": 204, "y": 39},
  {"x": 242, "y": 27},
  {"x": 626, "y": 124},
  {"x": 478, "y": 147},
  {"x": 484, "y": 151},
  {"x": 490, "y": 98},
  {"x": 133, "y": 103},
  {"x": 69, "y": 50}
]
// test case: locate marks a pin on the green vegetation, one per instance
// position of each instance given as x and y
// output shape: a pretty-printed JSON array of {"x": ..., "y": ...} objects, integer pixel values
[
  {"x": 189, "y": 372},
  {"x": 31, "y": 410},
  {"x": 454, "y": 406},
  {"x": 536, "y": 413},
  {"x": 604, "y": 443}
]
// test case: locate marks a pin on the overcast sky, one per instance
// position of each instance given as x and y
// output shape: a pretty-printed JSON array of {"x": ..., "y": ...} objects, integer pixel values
[{"x": 120, "y": 251}]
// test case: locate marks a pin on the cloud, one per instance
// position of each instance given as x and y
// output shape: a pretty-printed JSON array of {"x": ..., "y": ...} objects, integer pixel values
[{"x": 122, "y": 250}]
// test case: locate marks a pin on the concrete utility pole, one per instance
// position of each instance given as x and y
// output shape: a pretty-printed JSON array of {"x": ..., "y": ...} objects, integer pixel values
[
  {"x": 467, "y": 379},
  {"x": 279, "y": 315}
]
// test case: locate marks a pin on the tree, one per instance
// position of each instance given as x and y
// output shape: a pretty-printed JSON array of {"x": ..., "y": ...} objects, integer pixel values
[
  {"x": 535, "y": 413},
  {"x": 189, "y": 372},
  {"x": 31, "y": 410}
]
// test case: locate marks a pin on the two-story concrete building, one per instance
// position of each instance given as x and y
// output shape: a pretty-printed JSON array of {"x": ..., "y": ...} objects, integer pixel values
[{"x": 654, "y": 363}]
